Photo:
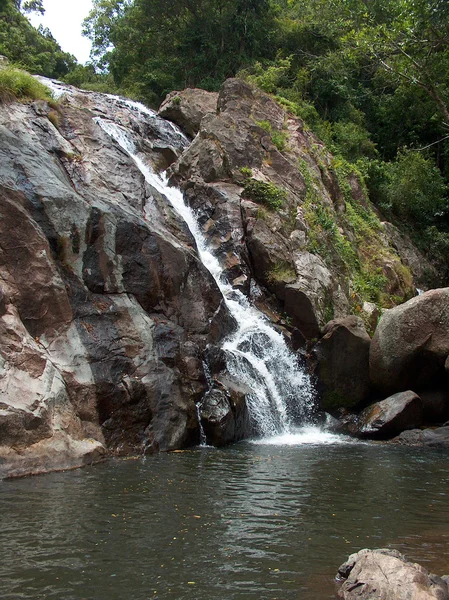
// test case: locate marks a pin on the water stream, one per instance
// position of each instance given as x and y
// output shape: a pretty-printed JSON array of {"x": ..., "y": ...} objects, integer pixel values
[{"x": 281, "y": 394}]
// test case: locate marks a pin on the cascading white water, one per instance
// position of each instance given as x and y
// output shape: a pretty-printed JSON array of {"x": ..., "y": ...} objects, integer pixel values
[{"x": 281, "y": 393}]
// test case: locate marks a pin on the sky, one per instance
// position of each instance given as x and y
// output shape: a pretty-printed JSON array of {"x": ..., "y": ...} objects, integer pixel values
[{"x": 64, "y": 18}]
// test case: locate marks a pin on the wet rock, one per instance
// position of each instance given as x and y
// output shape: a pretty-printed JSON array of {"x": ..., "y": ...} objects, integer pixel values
[
  {"x": 435, "y": 438},
  {"x": 105, "y": 307},
  {"x": 224, "y": 416},
  {"x": 342, "y": 358},
  {"x": 387, "y": 575},
  {"x": 389, "y": 417},
  {"x": 411, "y": 343}
]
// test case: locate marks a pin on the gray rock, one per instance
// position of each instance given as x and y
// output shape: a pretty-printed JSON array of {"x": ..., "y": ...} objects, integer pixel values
[
  {"x": 411, "y": 343},
  {"x": 436, "y": 438},
  {"x": 342, "y": 357},
  {"x": 187, "y": 108},
  {"x": 387, "y": 575},
  {"x": 435, "y": 405},
  {"x": 224, "y": 416},
  {"x": 105, "y": 307}
]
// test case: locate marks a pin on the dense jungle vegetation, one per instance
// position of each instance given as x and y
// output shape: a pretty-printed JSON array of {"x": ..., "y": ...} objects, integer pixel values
[{"x": 369, "y": 77}]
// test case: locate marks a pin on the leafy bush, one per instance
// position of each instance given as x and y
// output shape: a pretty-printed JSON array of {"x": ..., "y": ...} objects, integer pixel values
[
  {"x": 246, "y": 171},
  {"x": 264, "y": 193},
  {"x": 18, "y": 84},
  {"x": 411, "y": 187}
]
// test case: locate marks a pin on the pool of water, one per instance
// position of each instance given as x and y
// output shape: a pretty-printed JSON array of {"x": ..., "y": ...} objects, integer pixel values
[{"x": 254, "y": 521}]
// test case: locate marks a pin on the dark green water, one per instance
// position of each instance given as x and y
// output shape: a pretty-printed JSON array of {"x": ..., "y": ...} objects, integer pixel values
[{"x": 251, "y": 522}]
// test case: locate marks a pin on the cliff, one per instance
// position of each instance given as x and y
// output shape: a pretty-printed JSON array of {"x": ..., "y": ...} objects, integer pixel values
[{"x": 106, "y": 311}]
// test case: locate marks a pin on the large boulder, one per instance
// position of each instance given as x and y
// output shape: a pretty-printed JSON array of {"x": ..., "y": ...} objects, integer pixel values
[
  {"x": 187, "y": 108},
  {"x": 387, "y": 418},
  {"x": 386, "y": 574},
  {"x": 342, "y": 357},
  {"x": 411, "y": 343}
]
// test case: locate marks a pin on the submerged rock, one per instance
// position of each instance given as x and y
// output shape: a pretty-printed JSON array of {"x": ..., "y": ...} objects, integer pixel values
[{"x": 386, "y": 574}]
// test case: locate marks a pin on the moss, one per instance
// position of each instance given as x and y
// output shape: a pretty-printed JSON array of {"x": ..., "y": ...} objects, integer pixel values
[
  {"x": 176, "y": 100},
  {"x": 282, "y": 271},
  {"x": 267, "y": 194},
  {"x": 16, "y": 84}
]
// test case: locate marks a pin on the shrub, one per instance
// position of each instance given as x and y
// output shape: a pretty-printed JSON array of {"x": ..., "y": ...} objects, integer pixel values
[
  {"x": 411, "y": 187},
  {"x": 246, "y": 171},
  {"x": 264, "y": 193},
  {"x": 18, "y": 84}
]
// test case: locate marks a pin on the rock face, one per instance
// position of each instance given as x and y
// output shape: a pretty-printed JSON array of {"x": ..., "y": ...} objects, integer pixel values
[
  {"x": 389, "y": 417},
  {"x": 105, "y": 308},
  {"x": 276, "y": 208},
  {"x": 187, "y": 108},
  {"x": 387, "y": 575},
  {"x": 342, "y": 356},
  {"x": 411, "y": 343}
]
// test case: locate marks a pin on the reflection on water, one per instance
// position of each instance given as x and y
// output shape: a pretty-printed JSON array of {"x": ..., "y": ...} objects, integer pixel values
[{"x": 251, "y": 522}]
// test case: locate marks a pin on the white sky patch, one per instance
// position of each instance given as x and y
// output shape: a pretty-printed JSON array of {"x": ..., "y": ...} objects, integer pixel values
[{"x": 64, "y": 19}]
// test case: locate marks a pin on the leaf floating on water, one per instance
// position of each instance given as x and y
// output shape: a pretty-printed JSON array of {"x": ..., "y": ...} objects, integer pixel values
[{"x": 190, "y": 583}]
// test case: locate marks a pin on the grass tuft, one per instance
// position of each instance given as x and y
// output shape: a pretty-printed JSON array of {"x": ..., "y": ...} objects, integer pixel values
[{"x": 16, "y": 84}]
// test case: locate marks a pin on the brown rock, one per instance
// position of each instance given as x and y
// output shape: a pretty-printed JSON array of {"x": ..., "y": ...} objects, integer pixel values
[
  {"x": 389, "y": 417},
  {"x": 411, "y": 343},
  {"x": 386, "y": 574}
]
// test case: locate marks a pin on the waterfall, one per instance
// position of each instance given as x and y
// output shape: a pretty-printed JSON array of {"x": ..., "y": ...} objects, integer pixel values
[{"x": 281, "y": 394}]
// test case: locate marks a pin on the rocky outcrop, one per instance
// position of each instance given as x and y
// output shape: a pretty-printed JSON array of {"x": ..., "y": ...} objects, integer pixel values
[
  {"x": 342, "y": 357},
  {"x": 411, "y": 343},
  {"x": 387, "y": 418},
  {"x": 386, "y": 574},
  {"x": 105, "y": 308},
  {"x": 278, "y": 207},
  {"x": 187, "y": 108}
]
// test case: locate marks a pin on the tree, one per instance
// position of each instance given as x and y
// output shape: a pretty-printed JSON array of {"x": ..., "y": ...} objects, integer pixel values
[{"x": 153, "y": 46}]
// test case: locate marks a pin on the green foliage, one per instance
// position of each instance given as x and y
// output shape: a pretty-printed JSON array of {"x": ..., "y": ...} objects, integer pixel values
[
  {"x": 267, "y": 194},
  {"x": 32, "y": 49},
  {"x": 279, "y": 138},
  {"x": 246, "y": 171},
  {"x": 413, "y": 188},
  {"x": 18, "y": 84},
  {"x": 155, "y": 46},
  {"x": 281, "y": 272}
]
